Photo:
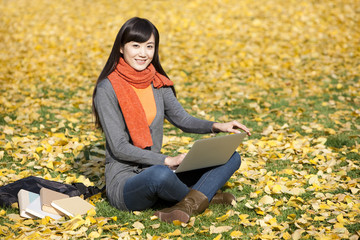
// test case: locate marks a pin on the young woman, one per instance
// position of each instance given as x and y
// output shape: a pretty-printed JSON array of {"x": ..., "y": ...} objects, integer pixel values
[{"x": 132, "y": 97}]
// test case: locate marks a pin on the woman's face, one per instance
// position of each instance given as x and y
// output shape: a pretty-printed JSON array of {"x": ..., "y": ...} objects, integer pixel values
[{"x": 139, "y": 55}]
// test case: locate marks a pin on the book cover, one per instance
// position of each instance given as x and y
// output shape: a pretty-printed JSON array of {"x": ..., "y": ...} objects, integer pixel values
[
  {"x": 47, "y": 196},
  {"x": 72, "y": 206},
  {"x": 34, "y": 208},
  {"x": 25, "y": 198}
]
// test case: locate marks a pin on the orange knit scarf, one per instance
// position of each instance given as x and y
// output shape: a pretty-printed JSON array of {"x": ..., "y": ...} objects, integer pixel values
[{"x": 121, "y": 78}]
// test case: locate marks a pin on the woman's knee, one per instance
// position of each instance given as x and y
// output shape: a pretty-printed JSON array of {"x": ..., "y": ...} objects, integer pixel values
[{"x": 160, "y": 175}]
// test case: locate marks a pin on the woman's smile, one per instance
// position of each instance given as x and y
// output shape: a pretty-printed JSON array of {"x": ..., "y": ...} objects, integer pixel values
[{"x": 140, "y": 61}]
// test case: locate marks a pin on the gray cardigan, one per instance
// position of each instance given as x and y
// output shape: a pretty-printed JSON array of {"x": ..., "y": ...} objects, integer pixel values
[{"x": 123, "y": 159}]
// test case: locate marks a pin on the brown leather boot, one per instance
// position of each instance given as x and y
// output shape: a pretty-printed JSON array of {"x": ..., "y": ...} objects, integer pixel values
[
  {"x": 194, "y": 202},
  {"x": 223, "y": 198}
]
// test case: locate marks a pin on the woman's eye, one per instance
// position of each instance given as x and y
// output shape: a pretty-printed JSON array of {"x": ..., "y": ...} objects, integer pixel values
[
  {"x": 150, "y": 46},
  {"x": 135, "y": 45}
]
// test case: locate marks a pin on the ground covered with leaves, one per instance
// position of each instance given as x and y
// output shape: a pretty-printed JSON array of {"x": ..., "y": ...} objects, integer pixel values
[{"x": 289, "y": 70}]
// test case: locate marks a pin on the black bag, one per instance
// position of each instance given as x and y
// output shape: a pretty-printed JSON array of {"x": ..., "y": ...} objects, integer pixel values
[{"x": 8, "y": 193}]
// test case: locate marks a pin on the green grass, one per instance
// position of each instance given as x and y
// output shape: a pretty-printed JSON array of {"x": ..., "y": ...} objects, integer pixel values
[{"x": 340, "y": 140}]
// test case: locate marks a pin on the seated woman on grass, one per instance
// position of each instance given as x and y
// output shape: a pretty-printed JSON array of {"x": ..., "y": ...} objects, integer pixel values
[{"x": 132, "y": 97}]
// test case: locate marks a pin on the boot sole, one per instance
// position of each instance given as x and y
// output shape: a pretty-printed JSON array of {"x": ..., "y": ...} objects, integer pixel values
[{"x": 172, "y": 216}]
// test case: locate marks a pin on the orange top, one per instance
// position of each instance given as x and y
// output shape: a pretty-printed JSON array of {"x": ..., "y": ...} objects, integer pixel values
[{"x": 147, "y": 100}]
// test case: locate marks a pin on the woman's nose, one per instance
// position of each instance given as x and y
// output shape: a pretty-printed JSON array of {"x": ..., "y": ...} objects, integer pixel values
[{"x": 142, "y": 52}]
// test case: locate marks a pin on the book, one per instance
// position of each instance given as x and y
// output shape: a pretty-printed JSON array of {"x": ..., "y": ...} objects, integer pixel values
[
  {"x": 25, "y": 198},
  {"x": 34, "y": 208},
  {"x": 47, "y": 196},
  {"x": 72, "y": 206}
]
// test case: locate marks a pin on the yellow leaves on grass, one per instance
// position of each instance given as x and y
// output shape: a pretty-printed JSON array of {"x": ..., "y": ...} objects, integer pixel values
[
  {"x": 222, "y": 56},
  {"x": 266, "y": 200},
  {"x": 281, "y": 146},
  {"x": 236, "y": 234},
  {"x": 220, "y": 229},
  {"x": 77, "y": 227},
  {"x": 228, "y": 214},
  {"x": 177, "y": 232}
]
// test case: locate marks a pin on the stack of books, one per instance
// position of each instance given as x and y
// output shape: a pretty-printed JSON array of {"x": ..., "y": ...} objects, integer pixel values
[{"x": 51, "y": 203}]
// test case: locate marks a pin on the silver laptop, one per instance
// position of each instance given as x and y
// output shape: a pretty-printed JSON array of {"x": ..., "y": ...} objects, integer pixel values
[{"x": 210, "y": 152}]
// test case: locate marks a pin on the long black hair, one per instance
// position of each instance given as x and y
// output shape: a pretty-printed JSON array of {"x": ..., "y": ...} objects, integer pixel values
[{"x": 135, "y": 29}]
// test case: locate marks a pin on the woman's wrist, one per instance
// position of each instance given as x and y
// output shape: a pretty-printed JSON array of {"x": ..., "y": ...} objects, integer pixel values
[{"x": 214, "y": 128}]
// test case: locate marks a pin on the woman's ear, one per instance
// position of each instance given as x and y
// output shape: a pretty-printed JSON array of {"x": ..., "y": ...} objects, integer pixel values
[{"x": 121, "y": 50}]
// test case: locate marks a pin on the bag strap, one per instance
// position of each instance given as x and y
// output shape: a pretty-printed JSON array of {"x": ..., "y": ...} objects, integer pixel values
[{"x": 87, "y": 191}]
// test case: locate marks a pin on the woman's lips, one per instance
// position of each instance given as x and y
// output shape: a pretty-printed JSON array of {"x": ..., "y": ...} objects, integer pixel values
[{"x": 141, "y": 62}]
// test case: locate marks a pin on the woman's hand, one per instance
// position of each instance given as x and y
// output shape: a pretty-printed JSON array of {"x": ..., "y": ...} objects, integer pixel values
[
  {"x": 230, "y": 127},
  {"x": 174, "y": 162}
]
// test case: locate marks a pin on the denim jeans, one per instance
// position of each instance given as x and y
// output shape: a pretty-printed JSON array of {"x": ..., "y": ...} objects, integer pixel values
[{"x": 144, "y": 190}]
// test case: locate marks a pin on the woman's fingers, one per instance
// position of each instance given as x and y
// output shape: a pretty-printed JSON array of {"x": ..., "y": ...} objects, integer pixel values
[
  {"x": 231, "y": 127},
  {"x": 236, "y": 125},
  {"x": 174, "y": 162},
  {"x": 242, "y": 127},
  {"x": 180, "y": 158}
]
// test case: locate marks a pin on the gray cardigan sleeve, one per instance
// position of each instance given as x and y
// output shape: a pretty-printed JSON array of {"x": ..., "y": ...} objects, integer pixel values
[
  {"x": 177, "y": 115},
  {"x": 114, "y": 128}
]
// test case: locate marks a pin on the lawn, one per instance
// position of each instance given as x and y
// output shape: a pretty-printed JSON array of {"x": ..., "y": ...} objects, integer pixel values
[{"x": 289, "y": 70}]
